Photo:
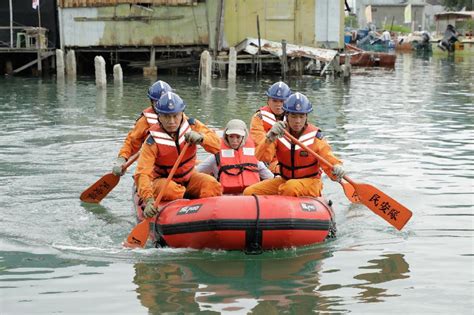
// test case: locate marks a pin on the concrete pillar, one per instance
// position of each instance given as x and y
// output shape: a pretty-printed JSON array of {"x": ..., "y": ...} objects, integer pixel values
[
  {"x": 151, "y": 70},
  {"x": 346, "y": 67},
  {"x": 336, "y": 65},
  {"x": 232, "y": 64},
  {"x": 9, "y": 67},
  {"x": 205, "y": 69},
  {"x": 60, "y": 63},
  {"x": 118, "y": 74},
  {"x": 71, "y": 64},
  {"x": 284, "y": 60},
  {"x": 100, "y": 75}
]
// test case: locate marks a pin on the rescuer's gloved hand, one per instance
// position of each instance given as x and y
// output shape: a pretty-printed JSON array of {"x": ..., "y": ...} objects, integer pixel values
[
  {"x": 338, "y": 171},
  {"x": 150, "y": 209},
  {"x": 277, "y": 131},
  {"x": 193, "y": 137},
  {"x": 117, "y": 169}
]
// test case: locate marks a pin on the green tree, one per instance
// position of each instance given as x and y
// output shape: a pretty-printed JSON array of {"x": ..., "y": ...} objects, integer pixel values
[
  {"x": 458, "y": 4},
  {"x": 351, "y": 21}
]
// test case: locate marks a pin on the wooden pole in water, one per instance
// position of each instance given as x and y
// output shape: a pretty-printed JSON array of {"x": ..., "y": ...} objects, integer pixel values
[
  {"x": 11, "y": 24},
  {"x": 39, "y": 15},
  {"x": 284, "y": 62},
  {"x": 220, "y": 10},
  {"x": 38, "y": 42},
  {"x": 259, "y": 61}
]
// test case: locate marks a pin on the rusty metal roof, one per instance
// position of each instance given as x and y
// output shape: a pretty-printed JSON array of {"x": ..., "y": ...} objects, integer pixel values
[
  {"x": 250, "y": 45},
  {"x": 101, "y": 3}
]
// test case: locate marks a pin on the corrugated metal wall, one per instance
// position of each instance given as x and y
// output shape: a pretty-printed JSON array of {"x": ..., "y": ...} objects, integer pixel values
[
  {"x": 135, "y": 26},
  {"x": 292, "y": 20},
  {"x": 125, "y": 23},
  {"x": 304, "y": 22}
]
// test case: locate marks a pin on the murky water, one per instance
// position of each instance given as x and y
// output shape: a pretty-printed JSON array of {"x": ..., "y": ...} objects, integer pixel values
[{"x": 409, "y": 132}]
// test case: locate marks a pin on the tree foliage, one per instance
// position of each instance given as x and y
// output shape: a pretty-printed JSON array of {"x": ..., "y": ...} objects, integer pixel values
[
  {"x": 351, "y": 21},
  {"x": 458, "y": 4}
]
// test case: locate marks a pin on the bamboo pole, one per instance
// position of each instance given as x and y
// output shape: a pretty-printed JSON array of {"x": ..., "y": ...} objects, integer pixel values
[{"x": 11, "y": 24}]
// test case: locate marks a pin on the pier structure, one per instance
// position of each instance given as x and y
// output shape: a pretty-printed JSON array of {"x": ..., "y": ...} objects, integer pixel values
[{"x": 152, "y": 36}]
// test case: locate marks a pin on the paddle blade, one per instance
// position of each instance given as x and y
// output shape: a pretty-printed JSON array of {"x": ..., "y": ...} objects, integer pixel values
[
  {"x": 383, "y": 205},
  {"x": 350, "y": 192},
  {"x": 97, "y": 191},
  {"x": 139, "y": 235}
]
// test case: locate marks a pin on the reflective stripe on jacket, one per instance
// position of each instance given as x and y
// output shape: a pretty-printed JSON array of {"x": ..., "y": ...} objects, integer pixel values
[
  {"x": 268, "y": 118},
  {"x": 151, "y": 116},
  {"x": 238, "y": 169}
]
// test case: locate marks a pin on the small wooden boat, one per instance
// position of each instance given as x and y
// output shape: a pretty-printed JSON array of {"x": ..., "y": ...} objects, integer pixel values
[
  {"x": 249, "y": 223},
  {"x": 363, "y": 58}
]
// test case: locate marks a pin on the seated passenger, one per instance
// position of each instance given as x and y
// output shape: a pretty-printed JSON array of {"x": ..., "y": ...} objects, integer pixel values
[{"x": 235, "y": 166}]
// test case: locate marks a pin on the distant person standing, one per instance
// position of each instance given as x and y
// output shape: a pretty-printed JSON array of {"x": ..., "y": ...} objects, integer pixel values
[
  {"x": 386, "y": 37},
  {"x": 449, "y": 38}
]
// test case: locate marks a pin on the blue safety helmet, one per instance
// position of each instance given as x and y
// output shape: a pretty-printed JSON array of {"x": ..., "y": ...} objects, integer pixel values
[
  {"x": 169, "y": 103},
  {"x": 298, "y": 103},
  {"x": 279, "y": 91},
  {"x": 157, "y": 89}
]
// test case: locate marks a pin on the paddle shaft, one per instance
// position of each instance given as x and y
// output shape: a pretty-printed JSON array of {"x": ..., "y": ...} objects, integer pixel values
[
  {"x": 101, "y": 188},
  {"x": 380, "y": 203},
  {"x": 170, "y": 175},
  {"x": 319, "y": 157},
  {"x": 139, "y": 235},
  {"x": 130, "y": 161}
]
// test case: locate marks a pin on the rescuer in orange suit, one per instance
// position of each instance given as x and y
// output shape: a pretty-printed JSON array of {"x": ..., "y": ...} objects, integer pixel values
[
  {"x": 300, "y": 171},
  {"x": 267, "y": 115},
  {"x": 161, "y": 149},
  {"x": 138, "y": 134}
]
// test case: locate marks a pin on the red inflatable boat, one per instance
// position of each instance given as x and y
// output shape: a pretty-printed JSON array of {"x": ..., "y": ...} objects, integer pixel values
[{"x": 250, "y": 223}]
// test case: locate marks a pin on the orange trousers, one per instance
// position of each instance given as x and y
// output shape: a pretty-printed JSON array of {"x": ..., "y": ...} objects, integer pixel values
[
  {"x": 302, "y": 187},
  {"x": 200, "y": 185}
]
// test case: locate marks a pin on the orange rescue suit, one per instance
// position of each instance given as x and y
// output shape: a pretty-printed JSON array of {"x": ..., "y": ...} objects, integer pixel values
[
  {"x": 138, "y": 134},
  {"x": 159, "y": 153},
  {"x": 169, "y": 151},
  {"x": 294, "y": 161},
  {"x": 295, "y": 165},
  {"x": 238, "y": 169},
  {"x": 262, "y": 121}
]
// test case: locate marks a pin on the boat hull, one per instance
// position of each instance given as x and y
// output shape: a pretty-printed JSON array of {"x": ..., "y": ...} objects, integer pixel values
[
  {"x": 370, "y": 59},
  {"x": 250, "y": 223}
]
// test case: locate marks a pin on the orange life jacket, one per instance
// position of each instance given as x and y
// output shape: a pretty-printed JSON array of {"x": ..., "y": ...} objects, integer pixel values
[
  {"x": 268, "y": 117},
  {"x": 294, "y": 161},
  {"x": 168, "y": 151},
  {"x": 151, "y": 116},
  {"x": 238, "y": 169}
]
